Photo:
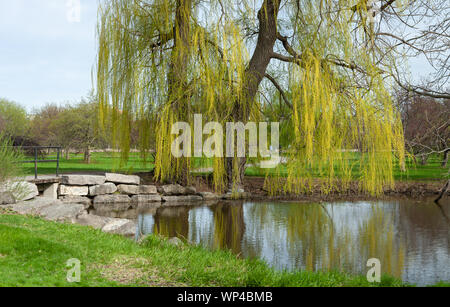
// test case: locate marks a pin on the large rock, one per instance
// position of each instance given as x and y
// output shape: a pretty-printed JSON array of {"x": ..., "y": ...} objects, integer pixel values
[
  {"x": 148, "y": 189},
  {"x": 183, "y": 198},
  {"x": 21, "y": 190},
  {"x": 76, "y": 199},
  {"x": 103, "y": 189},
  {"x": 236, "y": 196},
  {"x": 123, "y": 179},
  {"x": 128, "y": 189},
  {"x": 50, "y": 209},
  {"x": 190, "y": 190},
  {"x": 83, "y": 180},
  {"x": 209, "y": 196},
  {"x": 146, "y": 199},
  {"x": 176, "y": 189},
  {"x": 94, "y": 221},
  {"x": 51, "y": 191},
  {"x": 121, "y": 227},
  {"x": 26, "y": 191},
  {"x": 62, "y": 212},
  {"x": 33, "y": 207},
  {"x": 7, "y": 198},
  {"x": 66, "y": 190},
  {"x": 111, "y": 199},
  {"x": 105, "y": 208},
  {"x": 85, "y": 201}
]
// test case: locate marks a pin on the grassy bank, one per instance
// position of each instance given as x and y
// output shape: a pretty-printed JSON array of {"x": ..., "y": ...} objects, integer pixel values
[
  {"x": 106, "y": 162},
  {"x": 34, "y": 252}
]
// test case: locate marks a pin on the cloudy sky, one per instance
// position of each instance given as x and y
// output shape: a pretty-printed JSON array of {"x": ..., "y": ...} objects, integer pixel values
[{"x": 46, "y": 55}]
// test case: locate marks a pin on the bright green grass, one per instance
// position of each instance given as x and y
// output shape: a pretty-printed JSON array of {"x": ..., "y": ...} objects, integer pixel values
[
  {"x": 100, "y": 162},
  {"x": 432, "y": 171},
  {"x": 33, "y": 252},
  {"x": 105, "y": 162}
]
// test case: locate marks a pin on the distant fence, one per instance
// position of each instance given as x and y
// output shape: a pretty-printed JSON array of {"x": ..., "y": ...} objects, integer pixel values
[{"x": 36, "y": 151}]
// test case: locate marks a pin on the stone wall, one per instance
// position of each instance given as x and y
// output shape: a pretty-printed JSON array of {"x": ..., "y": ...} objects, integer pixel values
[
  {"x": 92, "y": 190},
  {"x": 76, "y": 196},
  {"x": 123, "y": 189}
]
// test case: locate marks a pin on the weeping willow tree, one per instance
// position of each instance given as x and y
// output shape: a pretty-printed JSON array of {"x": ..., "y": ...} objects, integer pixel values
[{"x": 162, "y": 61}]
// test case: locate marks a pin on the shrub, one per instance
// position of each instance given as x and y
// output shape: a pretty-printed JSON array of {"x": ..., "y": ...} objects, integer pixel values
[{"x": 9, "y": 158}]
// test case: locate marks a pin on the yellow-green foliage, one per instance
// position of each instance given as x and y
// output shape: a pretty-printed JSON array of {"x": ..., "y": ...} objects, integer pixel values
[{"x": 340, "y": 100}]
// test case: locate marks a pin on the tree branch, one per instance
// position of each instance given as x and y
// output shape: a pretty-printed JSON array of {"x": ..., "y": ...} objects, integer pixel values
[{"x": 277, "y": 85}]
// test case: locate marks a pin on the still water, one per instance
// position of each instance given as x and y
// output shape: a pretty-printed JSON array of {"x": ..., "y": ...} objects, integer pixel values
[{"x": 411, "y": 238}]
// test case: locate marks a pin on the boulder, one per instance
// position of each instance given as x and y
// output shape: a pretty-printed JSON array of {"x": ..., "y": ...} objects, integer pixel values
[
  {"x": 21, "y": 190},
  {"x": 103, "y": 189},
  {"x": 111, "y": 199},
  {"x": 121, "y": 226},
  {"x": 236, "y": 196},
  {"x": 81, "y": 180},
  {"x": 51, "y": 191},
  {"x": 49, "y": 209},
  {"x": 147, "y": 190},
  {"x": 33, "y": 207},
  {"x": 190, "y": 190},
  {"x": 146, "y": 199},
  {"x": 7, "y": 198},
  {"x": 87, "y": 202},
  {"x": 26, "y": 191},
  {"x": 128, "y": 189},
  {"x": 62, "y": 212},
  {"x": 94, "y": 221},
  {"x": 106, "y": 208},
  {"x": 123, "y": 179},
  {"x": 209, "y": 196},
  {"x": 183, "y": 198},
  {"x": 128, "y": 213},
  {"x": 176, "y": 189},
  {"x": 171, "y": 189},
  {"x": 65, "y": 190}
]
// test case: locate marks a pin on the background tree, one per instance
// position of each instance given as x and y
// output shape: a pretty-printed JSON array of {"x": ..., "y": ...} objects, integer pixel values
[
  {"x": 77, "y": 128},
  {"x": 427, "y": 125},
  {"x": 42, "y": 130},
  {"x": 14, "y": 120}
]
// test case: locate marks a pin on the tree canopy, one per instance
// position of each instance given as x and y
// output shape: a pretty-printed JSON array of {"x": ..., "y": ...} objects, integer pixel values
[
  {"x": 321, "y": 68},
  {"x": 13, "y": 119}
]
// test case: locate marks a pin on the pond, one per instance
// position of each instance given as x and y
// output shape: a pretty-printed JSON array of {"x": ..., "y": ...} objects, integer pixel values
[{"x": 411, "y": 238}]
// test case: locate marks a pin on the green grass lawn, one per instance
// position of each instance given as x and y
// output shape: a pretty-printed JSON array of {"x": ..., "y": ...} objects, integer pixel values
[
  {"x": 34, "y": 252},
  {"x": 106, "y": 162},
  {"x": 432, "y": 171},
  {"x": 100, "y": 162}
]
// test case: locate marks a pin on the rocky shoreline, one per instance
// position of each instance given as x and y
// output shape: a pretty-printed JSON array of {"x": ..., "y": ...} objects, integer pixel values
[
  {"x": 76, "y": 197},
  {"x": 81, "y": 199}
]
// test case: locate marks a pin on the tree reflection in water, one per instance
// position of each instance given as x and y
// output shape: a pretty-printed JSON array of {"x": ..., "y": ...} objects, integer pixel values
[{"x": 410, "y": 239}]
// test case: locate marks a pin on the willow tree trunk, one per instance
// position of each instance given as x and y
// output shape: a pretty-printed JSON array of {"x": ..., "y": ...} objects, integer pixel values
[
  {"x": 177, "y": 79},
  {"x": 254, "y": 74},
  {"x": 178, "y": 71}
]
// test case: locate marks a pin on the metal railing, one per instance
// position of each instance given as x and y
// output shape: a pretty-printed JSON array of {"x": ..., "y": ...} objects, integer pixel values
[{"x": 36, "y": 150}]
